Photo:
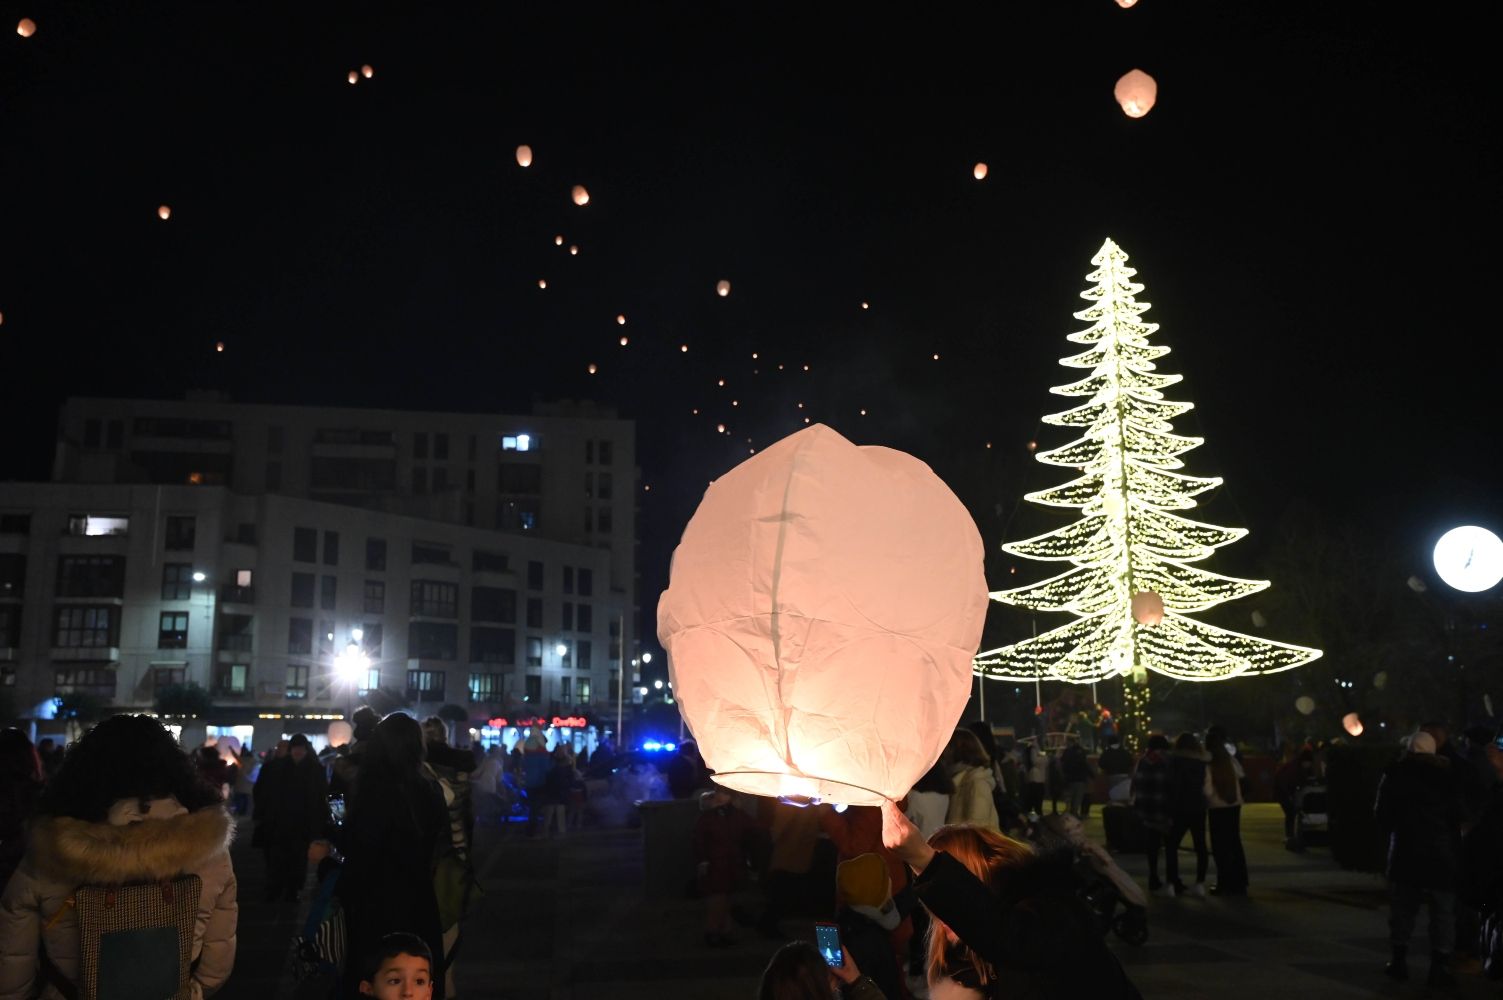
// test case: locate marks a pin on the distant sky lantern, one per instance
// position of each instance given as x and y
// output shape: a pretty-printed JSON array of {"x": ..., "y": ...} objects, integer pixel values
[
  {"x": 865, "y": 306},
  {"x": 621, "y": 319},
  {"x": 580, "y": 195},
  {"x": 735, "y": 402},
  {"x": 979, "y": 171},
  {"x": 1124, "y": 4},
  {"x": 2, "y": 319},
  {"x": 353, "y": 77},
  {"x": 1304, "y": 704},
  {"x": 1136, "y": 92},
  {"x": 1352, "y": 723},
  {"x": 164, "y": 212},
  {"x": 524, "y": 157},
  {"x": 558, "y": 241},
  {"x": 683, "y": 348},
  {"x": 754, "y": 355},
  {"x": 542, "y": 283},
  {"x": 832, "y": 661},
  {"x": 806, "y": 367},
  {"x": 623, "y": 341},
  {"x": 863, "y": 413},
  {"x": 574, "y": 251},
  {"x": 593, "y": 369},
  {"x": 1147, "y": 608},
  {"x": 26, "y": 28},
  {"x": 936, "y": 357},
  {"x": 721, "y": 383},
  {"x": 1033, "y": 446},
  {"x": 722, "y": 288},
  {"x": 367, "y": 71},
  {"x": 219, "y": 347},
  {"x": 720, "y": 428}
]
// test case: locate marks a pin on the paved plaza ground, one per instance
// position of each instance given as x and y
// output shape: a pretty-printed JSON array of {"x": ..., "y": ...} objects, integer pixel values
[{"x": 569, "y": 919}]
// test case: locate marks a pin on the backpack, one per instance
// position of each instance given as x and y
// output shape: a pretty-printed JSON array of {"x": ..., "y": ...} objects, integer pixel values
[
  {"x": 135, "y": 941},
  {"x": 318, "y": 954}
]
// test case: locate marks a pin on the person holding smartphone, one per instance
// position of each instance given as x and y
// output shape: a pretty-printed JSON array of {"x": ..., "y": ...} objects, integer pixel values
[{"x": 800, "y": 971}]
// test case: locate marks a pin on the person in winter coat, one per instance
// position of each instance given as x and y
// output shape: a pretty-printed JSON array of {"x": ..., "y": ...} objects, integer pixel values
[
  {"x": 794, "y": 836},
  {"x": 292, "y": 811},
  {"x": 1187, "y": 812},
  {"x": 1078, "y": 774},
  {"x": 1419, "y": 806},
  {"x": 20, "y": 787},
  {"x": 929, "y": 801},
  {"x": 867, "y": 915},
  {"x": 1020, "y": 921},
  {"x": 346, "y": 766},
  {"x": 720, "y": 839},
  {"x": 126, "y": 806},
  {"x": 1223, "y": 789},
  {"x": 1035, "y": 776},
  {"x": 1150, "y": 797},
  {"x": 971, "y": 771},
  {"x": 1116, "y": 764},
  {"x": 858, "y": 831}
]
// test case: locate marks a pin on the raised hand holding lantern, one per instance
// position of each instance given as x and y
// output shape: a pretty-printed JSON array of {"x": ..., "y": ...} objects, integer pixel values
[{"x": 820, "y": 618}]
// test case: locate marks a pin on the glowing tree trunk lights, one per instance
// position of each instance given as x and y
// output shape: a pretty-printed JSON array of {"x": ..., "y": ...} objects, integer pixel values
[{"x": 1129, "y": 540}]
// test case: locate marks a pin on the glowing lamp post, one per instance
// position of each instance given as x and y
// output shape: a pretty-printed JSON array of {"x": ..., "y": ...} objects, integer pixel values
[
  {"x": 1469, "y": 559},
  {"x": 350, "y": 667}
]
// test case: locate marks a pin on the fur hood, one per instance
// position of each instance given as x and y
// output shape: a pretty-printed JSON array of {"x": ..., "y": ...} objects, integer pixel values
[{"x": 76, "y": 852}]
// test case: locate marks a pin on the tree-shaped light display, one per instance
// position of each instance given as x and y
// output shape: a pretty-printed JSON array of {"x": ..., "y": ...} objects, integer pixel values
[{"x": 1130, "y": 538}]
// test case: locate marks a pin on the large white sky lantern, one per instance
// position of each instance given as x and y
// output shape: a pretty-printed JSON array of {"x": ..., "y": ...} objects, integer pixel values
[
  {"x": 1469, "y": 558},
  {"x": 1136, "y": 91},
  {"x": 820, "y": 618}
]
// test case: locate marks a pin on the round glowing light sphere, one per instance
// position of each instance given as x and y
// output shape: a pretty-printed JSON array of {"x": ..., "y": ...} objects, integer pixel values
[
  {"x": 574, "y": 251},
  {"x": 580, "y": 195},
  {"x": 621, "y": 319},
  {"x": 219, "y": 347},
  {"x": 1136, "y": 91},
  {"x": 720, "y": 428},
  {"x": 683, "y": 348},
  {"x": 722, "y": 288},
  {"x": 26, "y": 27},
  {"x": 592, "y": 369},
  {"x": 524, "y": 159},
  {"x": 367, "y": 71},
  {"x": 865, "y": 305},
  {"x": 1304, "y": 704},
  {"x": 340, "y": 733},
  {"x": 1352, "y": 723},
  {"x": 623, "y": 341},
  {"x": 936, "y": 357},
  {"x": 1469, "y": 559},
  {"x": 164, "y": 212},
  {"x": 353, "y": 77},
  {"x": 820, "y": 618},
  {"x": 979, "y": 171},
  {"x": 558, "y": 241},
  {"x": 542, "y": 283},
  {"x": 1147, "y": 608}
]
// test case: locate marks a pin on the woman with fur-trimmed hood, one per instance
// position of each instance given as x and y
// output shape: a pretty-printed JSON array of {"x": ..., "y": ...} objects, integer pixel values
[{"x": 127, "y": 806}]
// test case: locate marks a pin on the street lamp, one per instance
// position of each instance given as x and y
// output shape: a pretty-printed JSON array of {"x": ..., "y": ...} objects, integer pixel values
[
  {"x": 350, "y": 666},
  {"x": 646, "y": 657},
  {"x": 200, "y": 577}
]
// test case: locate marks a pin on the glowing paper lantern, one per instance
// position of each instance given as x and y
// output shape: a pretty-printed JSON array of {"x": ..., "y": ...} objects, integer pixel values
[
  {"x": 164, "y": 212},
  {"x": 219, "y": 347},
  {"x": 1136, "y": 92},
  {"x": 593, "y": 369},
  {"x": 353, "y": 77},
  {"x": 821, "y": 613},
  {"x": 621, "y": 319},
  {"x": 558, "y": 241},
  {"x": 542, "y": 282},
  {"x": 340, "y": 733},
  {"x": 1124, "y": 4},
  {"x": 979, "y": 171},
  {"x": 524, "y": 159},
  {"x": 1304, "y": 704},
  {"x": 1352, "y": 724},
  {"x": 1147, "y": 608},
  {"x": 574, "y": 251},
  {"x": 623, "y": 341},
  {"x": 722, "y": 288},
  {"x": 367, "y": 71},
  {"x": 580, "y": 195},
  {"x": 26, "y": 28}
]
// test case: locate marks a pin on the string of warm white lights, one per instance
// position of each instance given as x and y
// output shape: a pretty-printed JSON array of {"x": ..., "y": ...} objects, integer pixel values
[{"x": 1128, "y": 540}]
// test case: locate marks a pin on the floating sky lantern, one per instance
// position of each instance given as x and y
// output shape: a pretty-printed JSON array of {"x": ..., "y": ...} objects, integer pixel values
[
  {"x": 542, "y": 283},
  {"x": 722, "y": 288},
  {"x": 574, "y": 251},
  {"x": 1136, "y": 92},
  {"x": 340, "y": 733},
  {"x": 865, "y": 306},
  {"x": 219, "y": 347},
  {"x": 26, "y": 28},
  {"x": 2, "y": 319},
  {"x": 1352, "y": 723},
  {"x": 936, "y": 357},
  {"x": 621, "y": 319},
  {"x": 367, "y": 71},
  {"x": 580, "y": 195},
  {"x": 524, "y": 156},
  {"x": 558, "y": 241},
  {"x": 683, "y": 348},
  {"x": 164, "y": 212},
  {"x": 1147, "y": 608},
  {"x": 720, "y": 382},
  {"x": 720, "y": 428},
  {"x": 863, "y": 413},
  {"x": 1304, "y": 704},
  {"x": 353, "y": 77},
  {"x": 623, "y": 341},
  {"x": 830, "y": 660},
  {"x": 979, "y": 171},
  {"x": 592, "y": 369},
  {"x": 1124, "y": 4}
]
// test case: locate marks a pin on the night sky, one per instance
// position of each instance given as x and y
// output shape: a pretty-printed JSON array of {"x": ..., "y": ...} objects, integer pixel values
[{"x": 1311, "y": 205}]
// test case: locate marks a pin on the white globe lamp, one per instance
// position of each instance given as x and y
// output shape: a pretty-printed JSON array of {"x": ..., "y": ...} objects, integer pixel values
[{"x": 1469, "y": 559}]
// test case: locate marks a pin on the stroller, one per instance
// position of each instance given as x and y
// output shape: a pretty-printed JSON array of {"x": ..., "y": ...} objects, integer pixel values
[
  {"x": 1311, "y": 817},
  {"x": 1112, "y": 895}
]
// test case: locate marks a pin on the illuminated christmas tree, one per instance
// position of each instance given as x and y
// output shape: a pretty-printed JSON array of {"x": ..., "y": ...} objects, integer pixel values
[{"x": 1131, "y": 584}]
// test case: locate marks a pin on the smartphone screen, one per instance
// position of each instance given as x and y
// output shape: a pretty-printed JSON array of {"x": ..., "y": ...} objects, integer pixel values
[{"x": 827, "y": 939}]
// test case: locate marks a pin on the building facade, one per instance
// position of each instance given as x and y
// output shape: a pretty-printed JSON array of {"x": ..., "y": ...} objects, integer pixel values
[{"x": 298, "y": 561}]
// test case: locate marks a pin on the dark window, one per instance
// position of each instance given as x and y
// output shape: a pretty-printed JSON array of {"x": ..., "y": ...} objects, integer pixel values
[
  {"x": 245, "y": 533},
  {"x": 331, "y": 548},
  {"x": 604, "y": 492},
  {"x": 300, "y": 636},
  {"x": 485, "y": 688},
  {"x": 15, "y": 524},
  {"x": 115, "y": 437},
  {"x": 425, "y": 685},
  {"x": 232, "y": 678},
  {"x": 432, "y": 641},
  {"x": 589, "y": 485},
  {"x": 172, "y": 630},
  {"x": 273, "y": 476},
  {"x": 10, "y": 625},
  {"x": 329, "y": 472},
  {"x": 181, "y": 532},
  {"x": 534, "y": 651},
  {"x": 589, "y": 453},
  {"x": 375, "y": 597},
  {"x": 566, "y": 619},
  {"x": 517, "y": 515},
  {"x": 275, "y": 437},
  {"x": 440, "y": 447},
  {"x": 375, "y": 555},
  {"x": 235, "y": 633},
  {"x": 304, "y": 545},
  {"x": 526, "y": 479},
  {"x": 328, "y": 591},
  {"x": 568, "y": 579},
  {"x": 93, "y": 433},
  {"x": 440, "y": 480},
  {"x": 534, "y": 688},
  {"x": 584, "y": 620},
  {"x": 534, "y": 575},
  {"x": 603, "y": 519},
  {"x": 474, "y": 448},
  {"x": 302, "y": 590},
  {"x": 586, "y": 582},
  {"x": 585, "y": 652},
  {"x": 493, "y": 604},
  {"x": 177, "y": 582},
  {"x": 489, "y": 562},
  {"x": 370, "y": 641},
  {"x": 429, "y": 554},
  {"x": 469, "y": 481},
  {"x": 493, "y": 645},
  {"x": 420, "y": 481},
  {"x": 589, "y": 520},
  {"x": 91, "y": 576},
  {"x": 565, "y": 689},
  {"x": 297, "y": 682},
  {"x": 420, "y": 445},
  {"x": 12, "y": 575},
  {"x": 432, "y": 599},
  {"x": 605, "y": 453},
  {"x": 534, "y": 612},
  {"x": 86, "y": 627}
]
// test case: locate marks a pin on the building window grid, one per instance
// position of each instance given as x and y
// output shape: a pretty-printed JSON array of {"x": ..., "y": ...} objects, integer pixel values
[
  {"x": 172, "y": 630},
  {"x": 435, "y": 599},
  {"x": 85, "y": 627},
  {"x": 177, "y": 581},
  {"x": 375, "y": 597}
]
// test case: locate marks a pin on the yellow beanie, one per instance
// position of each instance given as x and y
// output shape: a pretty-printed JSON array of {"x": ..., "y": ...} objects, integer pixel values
[{"x": 863, "y": 881}]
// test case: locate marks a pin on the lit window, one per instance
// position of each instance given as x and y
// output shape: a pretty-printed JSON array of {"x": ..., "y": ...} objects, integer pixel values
[
  {"x": 242, "y": 578},
  {"x": 519, "y": 442},
  {"x": 80, "y": 524}
]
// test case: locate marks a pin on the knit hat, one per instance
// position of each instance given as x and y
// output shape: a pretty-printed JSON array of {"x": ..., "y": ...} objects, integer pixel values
[
  {"x": 863, "y": 881},
  {"x": 1422, "y": 742}
]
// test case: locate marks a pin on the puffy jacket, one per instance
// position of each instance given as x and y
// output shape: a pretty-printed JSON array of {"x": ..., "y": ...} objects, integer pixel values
[
  {"x": 160, "y": 842},
  {"x": 972, "y": 801},
  {"x": 1419, "y": 807}
]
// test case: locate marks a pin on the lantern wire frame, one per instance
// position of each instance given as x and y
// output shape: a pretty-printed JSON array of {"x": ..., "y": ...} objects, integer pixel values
[{"x": 1130, "y": 536}]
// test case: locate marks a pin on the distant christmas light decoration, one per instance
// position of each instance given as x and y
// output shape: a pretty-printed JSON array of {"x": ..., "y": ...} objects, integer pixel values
[
  {"x": 1130, "y": 536},
  {"x": 1136, "y": 91},
  {"x": 580, "y": 195},
  {"x": 621, "y": 319},
  {"x": 524, "y": 159},
  {"x": 722, "y": 288},
  {"x": 367, "y": 71},
  {"x": 353, "y": 77},
  {"x": 1352, "y": 723},
  {"x": 1304, "y": 704},
  {"x": 812, "y": 653},
  {"x": 979, "y": 171},
  {"x": 592, "y": 369},
  {"x": 1033, "y": 446},
  {"x": 26, "y": 28},
  {"x": 164, "y": 212}
]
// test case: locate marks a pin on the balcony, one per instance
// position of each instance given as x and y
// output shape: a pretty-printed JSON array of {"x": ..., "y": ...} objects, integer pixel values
[
  {"x": 231, "y": 594},
  {"x": 85, "y": 654}
]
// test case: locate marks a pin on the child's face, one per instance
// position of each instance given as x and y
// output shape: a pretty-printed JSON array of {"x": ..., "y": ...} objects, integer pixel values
[{"x": 401, "y": 977}]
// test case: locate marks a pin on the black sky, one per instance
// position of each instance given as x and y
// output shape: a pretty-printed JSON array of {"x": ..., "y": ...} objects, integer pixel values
[{"x": 1312, "y": 206}]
